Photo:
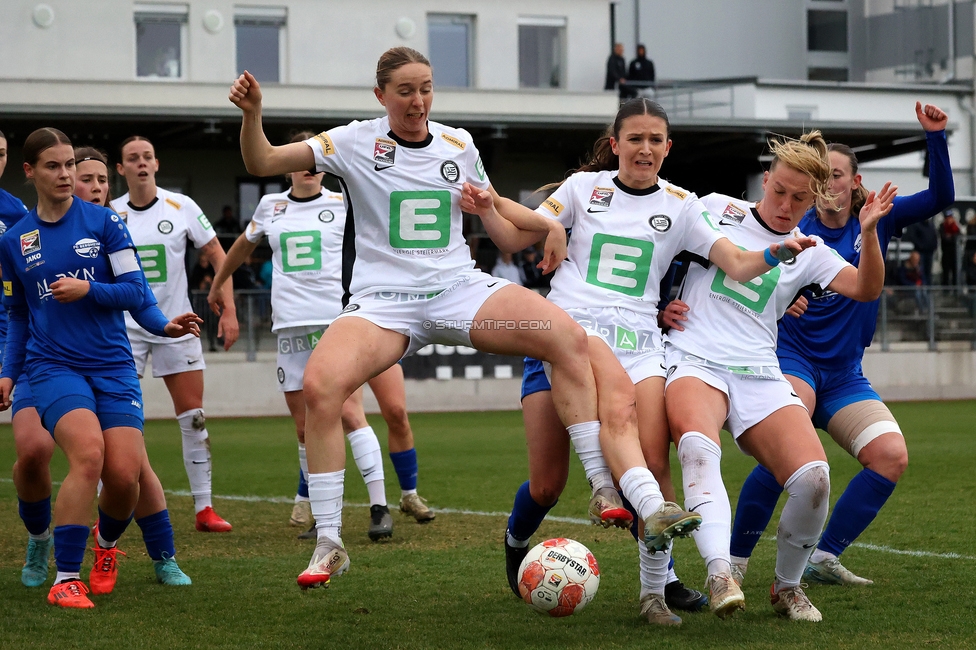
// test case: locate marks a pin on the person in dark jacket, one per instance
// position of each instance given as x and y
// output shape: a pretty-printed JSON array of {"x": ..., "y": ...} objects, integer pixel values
[
  {"x": 641, "y": 70},
  {"x": 617, "y": 73}
]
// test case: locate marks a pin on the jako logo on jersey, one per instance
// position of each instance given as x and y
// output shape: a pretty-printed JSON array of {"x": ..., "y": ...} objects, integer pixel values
[
  {"x": 450, "y": 171},
  {"x": 857, "y": 243},
  {"x": 115, "y": 218},
  {"x": 601, "y": 197},
  {"x": 136, "y": 404},
  {"x": 326, "y": 216},
  {"x": 44, "y": 289},
  {"x": 279, "y": 209},
  {"x": 30, "y": 242},
  {"x": 87, "y": 248},
  {"x": 165, "y": 227},
  {"x": 3, "y": 227},
  {"x": 732, "y": 213},
  {"x": 660, "y": 222},
  {"x": 553, "y": 206},
  {"x": 384, "y": 152}
]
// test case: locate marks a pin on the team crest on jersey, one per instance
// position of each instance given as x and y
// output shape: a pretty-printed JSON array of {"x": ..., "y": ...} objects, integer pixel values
[
  {"x": 279, "y": 209},
  {"x": 660, "y": 222},
  {"x": 87, "y": 247},
  {"x": 384, "y": 152},
  {"x": 732, "y": 213},
  {"x": 115, "y": 218},
  {"x": 326, "y": 216},
  {"x": 601, "y": 197},
  {"x": 165, "y": 227},
  {"x": 30, "y": 242},
  {"x": 450, "y": 171}
]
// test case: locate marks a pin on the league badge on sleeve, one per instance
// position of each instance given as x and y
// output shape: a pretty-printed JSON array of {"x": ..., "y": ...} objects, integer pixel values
[
  {"x": 601, "y": 197},
  {"x": 279, "y": 209},
  {"x": 30, "y": 242},
  {"x": 732, "y": 215}
]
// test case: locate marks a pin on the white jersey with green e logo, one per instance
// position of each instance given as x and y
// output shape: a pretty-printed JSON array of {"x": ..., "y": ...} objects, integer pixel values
[
  {"x": 734, "y": 323},
  {"x": 623, "y": 240},
  {"x": 160, "y": 232},
  {"x": 403, "y": 203},
  {"x": 306, "y": 243}
]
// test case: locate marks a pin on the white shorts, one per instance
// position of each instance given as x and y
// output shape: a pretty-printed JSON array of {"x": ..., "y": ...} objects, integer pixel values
[
  {"x": 442, "y": 317},
  {"x": 754, "y": 393},
  {"x": 295, "y": 345},
  {"x": 168, "y": 358},
  {"x": 639, "y": 349}
]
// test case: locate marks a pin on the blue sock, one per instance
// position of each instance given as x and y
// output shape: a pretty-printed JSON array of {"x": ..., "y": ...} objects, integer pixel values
[
  {"x": 36, "y": 515},
  {"x": 855, "y": 510},
  {"x": 633, "y": 511},
  {"x": 109, "y": 528},
  {"x": 302, "y": 484},
  {"x": 757, "y": 501},
  {"x": 69, "y": 547},
  {"x": 527, "y": 515},
  {"x": 405, "y": 465},
  {"x": 157, "y": 533}
]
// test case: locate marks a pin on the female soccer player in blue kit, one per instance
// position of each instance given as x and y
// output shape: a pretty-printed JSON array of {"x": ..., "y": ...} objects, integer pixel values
[
  {"x": 82, "y": 262},
  {"x": 820, "y": 353}
]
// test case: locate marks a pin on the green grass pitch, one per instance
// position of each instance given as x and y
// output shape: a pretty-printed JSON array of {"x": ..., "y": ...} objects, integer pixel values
[{"x": 443, "y": 585}]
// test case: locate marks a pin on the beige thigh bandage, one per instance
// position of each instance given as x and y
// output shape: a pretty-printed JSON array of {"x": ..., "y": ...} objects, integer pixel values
[{"x": 857, "y": 424}]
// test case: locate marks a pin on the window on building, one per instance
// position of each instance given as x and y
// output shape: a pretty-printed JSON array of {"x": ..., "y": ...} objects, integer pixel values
[
  {"x": 449, "y": 40},
  {"x": 160, "y": 40},
  {"x": 827, "y": 74},
  {"x": 259, "y": 41},
  {"x": 542, "y": 52},
  {"x": 826, "y": 31}
]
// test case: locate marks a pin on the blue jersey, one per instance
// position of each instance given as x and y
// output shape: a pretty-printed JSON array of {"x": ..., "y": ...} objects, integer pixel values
[
  {"x": 12, "y": 210},
  {"x": 835, "y": 330},
  {"x": 87, "y": 335}
]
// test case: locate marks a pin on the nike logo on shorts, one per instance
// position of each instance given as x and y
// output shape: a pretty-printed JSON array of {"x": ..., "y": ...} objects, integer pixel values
[{"x": 192, "y": 361}]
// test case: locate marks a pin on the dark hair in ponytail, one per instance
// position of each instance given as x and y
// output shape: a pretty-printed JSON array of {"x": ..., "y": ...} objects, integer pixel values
[{"x": 40, "y": 141}]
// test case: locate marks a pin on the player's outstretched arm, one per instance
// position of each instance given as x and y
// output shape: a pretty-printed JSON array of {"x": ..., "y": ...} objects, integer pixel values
[
  {"x": 865, "y": 283},
  {"x": 261, "y": 157},
  {"x": 743, "y": 266}
]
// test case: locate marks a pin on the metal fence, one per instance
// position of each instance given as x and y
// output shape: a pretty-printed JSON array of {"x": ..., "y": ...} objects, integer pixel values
[{"x": 929, "y": 314}]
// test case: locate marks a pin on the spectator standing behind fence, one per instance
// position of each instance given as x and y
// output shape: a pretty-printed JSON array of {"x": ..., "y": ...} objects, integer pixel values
[
  {"x": 925, "y": 240},
  {"x": 506, "y": 268},
  {"x": 971, "y": 269},
  {"x": 201, "y": 277},
  {"x": 948, "y": 236},
  {"x": 617, "y": 73},
  {"x": 228, "y": 223},
  {"x": 641, "y": 71},
  {"x": 911, "y": 274}
]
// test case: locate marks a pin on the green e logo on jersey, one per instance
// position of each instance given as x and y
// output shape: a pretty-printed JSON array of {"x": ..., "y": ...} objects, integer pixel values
[
  {"x": 204, "y": 222},
  {"x": 754, "y": 294},
  {"x": 420, "y": 219},
  {"x": 153, "y": 257},
  {"x": 620, "y": 264},
  {"x": 301, "y": 251}
]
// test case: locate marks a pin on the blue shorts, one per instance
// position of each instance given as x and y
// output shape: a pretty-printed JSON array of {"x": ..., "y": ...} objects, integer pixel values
[
  {"x": 835, "y": 388},
  {"x": 534, "y": 378},
  {"x": 116, "y": 401},
  {"x": 23, "y": 396}
]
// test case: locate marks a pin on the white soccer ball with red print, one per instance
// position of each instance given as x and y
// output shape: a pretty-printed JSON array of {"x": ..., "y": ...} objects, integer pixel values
[{"x": 559, "y": 577}]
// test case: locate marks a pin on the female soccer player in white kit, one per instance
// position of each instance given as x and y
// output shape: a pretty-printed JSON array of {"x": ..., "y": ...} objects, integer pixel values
[
  {"x": 407, "y": 274},
  {"x": 161, "y": 222},
  {"x": 722, "y": 369},
  {"x": 627, "y": 225},
  {"x": 304, "y": 227}
]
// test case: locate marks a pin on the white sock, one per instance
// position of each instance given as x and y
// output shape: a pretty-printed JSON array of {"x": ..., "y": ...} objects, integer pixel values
[
  {"x": 643, "y": 492},
  {"x": 802, "y": 521},
  {"x": 820, "y": 556},
  {"x": 196, "y": 456},
  {"x": 325, "y": 494},
  {"x": 586, "y": 441},
  {"x": 404, "y": 493},
  {"x": 701, "y": 473},
  {"x": 43, "y": 537},
  {"x": 104, "y": 543},
  {"x": 654, "y": 574},
  {"x": 303, "y": 467},
  {"x": 672, "y": 576},
  {"x": 66, "y": 575},
  {"x": 369, "y": 460},
  {"x": 515, "y": 543}
]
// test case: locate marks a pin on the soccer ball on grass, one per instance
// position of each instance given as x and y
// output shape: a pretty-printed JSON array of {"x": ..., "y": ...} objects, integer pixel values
[{"x": 559, "y": 577}]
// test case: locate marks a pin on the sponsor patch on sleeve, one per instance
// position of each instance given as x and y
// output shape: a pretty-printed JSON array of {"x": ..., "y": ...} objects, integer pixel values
[
  {"x": 174, "y": 204},
  {"x": 204, "y": 222},
  {"x": 553, "y": 206},
  {"x": 450, "y": 139},
  {"x": 8, "y": 288},
  {"x": 678, "y": 193},
  {"x": 325, "y": 142}
]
